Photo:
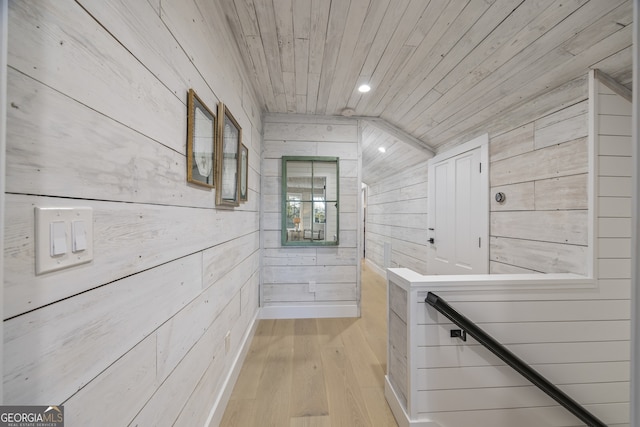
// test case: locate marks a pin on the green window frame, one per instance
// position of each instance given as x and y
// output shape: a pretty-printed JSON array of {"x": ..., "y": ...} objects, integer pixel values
[{"x": 310, "y": 215}]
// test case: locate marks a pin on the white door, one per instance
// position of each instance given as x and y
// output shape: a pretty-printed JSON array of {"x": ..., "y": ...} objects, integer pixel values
[{"x": 458, "y": 214}]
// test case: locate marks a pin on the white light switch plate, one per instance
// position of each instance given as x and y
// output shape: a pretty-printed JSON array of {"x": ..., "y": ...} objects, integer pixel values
[{"x": 45, "y": 217}]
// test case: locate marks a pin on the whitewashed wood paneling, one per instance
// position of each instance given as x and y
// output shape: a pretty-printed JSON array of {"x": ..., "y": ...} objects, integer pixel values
[
  {"x": 171, "y": 395},
  {"x": 397, "y": 349},
  {"x": 336, "y": 132},
  {"x": 441, "y": 71},
  {"x": 550, "y": 226},
  {"x": 500, "y": 268},
  {"x": 130, "y": 381},
  {"x": 516, "y": 397},
  {"x": 520, "y": 197},
  {"x": 515, "y": 332},
  {"x": 534, "y": 417},
  {"x": 73, "y": 153},
  {"x": 37, "y": 359},
  {"x": 402, "y": 151},
  {"x": 147, "y": 39},
  {"x": 530, "y": 311},
  {"x": 565, "y": 159},
  {"x": 518, "y": 85},
  {"x": 532, "y": 255},
  {"x": 541, "y": 167},
  {"x": 501, "y": 376},
  {"x": 150, "y": 108},
  {"x": 99, "y": 120},
  {"x": 561, "y": 131},
  {"x": 397, "y": 215},
  {"x": 179, "y": 334},
  {"x": 152, "y": 234},
  {"x": 566, "y": 193},
  {"x": 287, "y": 271},
  {"x": 451, "y": 356},
  {"x": 319, "y": 274},
  {"x": 512, "y": 143}
]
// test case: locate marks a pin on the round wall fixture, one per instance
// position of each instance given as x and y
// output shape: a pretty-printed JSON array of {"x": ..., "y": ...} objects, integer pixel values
[{"x": 501, "y": 197}]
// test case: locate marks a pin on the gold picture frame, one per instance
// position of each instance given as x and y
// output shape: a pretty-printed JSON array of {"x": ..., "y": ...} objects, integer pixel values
[
  {"x": 244, "y": 173},
  {"x": 201, "y": 136},
  {"x": 227, "y": 158}
]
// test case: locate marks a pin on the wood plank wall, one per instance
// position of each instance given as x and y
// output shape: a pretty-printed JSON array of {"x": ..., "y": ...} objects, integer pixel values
[
  {"x": 397, "y": 214},
  {"x": 97, "y": 94},
  {"x": 4, "y": 16},
  {"x": 539, "y": 160},
  {"x": 579, "y": 339},
  {"x": 542, "y": 168},
  {"x": 288, "y": 270}
]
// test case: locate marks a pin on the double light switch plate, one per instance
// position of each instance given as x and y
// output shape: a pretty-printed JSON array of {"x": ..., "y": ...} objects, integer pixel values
[{"x": 64, "y": 237}]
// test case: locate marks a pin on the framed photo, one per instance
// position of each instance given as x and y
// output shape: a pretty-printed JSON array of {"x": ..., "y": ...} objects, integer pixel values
[
  {"x": 227, "y": 158},
  {"x": 244, "y": 173},
  {"x": 201, "y": 131}
]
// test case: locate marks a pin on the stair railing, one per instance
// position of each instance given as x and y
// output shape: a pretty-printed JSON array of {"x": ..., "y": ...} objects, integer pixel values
[{"x": 524, "y": 369}]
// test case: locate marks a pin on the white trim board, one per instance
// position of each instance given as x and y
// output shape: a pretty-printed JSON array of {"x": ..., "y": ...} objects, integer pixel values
[
  {"x": 592, "y": 177},
  {"x": 635, "y": 227},
  {"x": 376, "y": 268},
  {"x": 479, "y": 141},
  {"x": 309, "y": 311},
  {"x": 401, "y": 416},
  {"x": 220, "y": 405},
  {"x": 490, "y": 283}
]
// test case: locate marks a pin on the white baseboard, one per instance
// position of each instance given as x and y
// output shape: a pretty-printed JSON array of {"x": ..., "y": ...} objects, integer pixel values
[
  {"x": 309, "y": 311},
  {"x": 401, "y": 416},
  {"x": 217, "y": 411},
  {"x": 376, "y": 268}
]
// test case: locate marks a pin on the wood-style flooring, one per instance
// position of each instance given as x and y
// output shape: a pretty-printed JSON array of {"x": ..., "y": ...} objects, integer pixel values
[{"x": 317, "y": 372}]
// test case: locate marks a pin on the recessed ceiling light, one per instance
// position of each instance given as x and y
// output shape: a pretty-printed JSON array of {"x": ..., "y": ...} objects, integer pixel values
[
  {"x": 381, "y": 149},
  {"x": 364, "y": 88}
]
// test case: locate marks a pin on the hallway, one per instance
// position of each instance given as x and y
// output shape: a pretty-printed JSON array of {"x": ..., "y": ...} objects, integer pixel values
[{"x": 317, "y": 372}]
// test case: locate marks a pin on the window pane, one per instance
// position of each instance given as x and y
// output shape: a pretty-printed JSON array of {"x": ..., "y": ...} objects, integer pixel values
[
  {"x": 331, "y": 222},
  {"x": 310, "y": 193},
  {"x": 299, "y": 178},
  {"x": 327, "y": 171}
]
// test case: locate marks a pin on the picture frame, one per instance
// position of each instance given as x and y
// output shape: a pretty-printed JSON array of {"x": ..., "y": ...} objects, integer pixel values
[
  {"x": 244, "y": 173},
  {"x": 201, "y": 138},
  {"x": 227, "y": 158}
]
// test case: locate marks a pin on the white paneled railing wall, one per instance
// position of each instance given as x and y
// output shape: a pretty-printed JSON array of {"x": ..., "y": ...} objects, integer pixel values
[{"x": 575, "y": 330}]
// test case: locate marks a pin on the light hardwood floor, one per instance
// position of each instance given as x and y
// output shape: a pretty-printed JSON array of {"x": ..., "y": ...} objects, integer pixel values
[{"x": 317, "y": 372}]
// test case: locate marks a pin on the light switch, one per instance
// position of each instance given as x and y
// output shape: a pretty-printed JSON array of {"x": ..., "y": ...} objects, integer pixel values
[
  {"x": 63, "y": 237},
  {"x": 78, "y": 236},
  {"x": 58, "y": 238}
]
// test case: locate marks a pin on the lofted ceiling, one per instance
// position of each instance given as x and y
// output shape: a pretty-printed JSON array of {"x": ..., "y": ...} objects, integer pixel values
[{"x": 440, "y": 71}]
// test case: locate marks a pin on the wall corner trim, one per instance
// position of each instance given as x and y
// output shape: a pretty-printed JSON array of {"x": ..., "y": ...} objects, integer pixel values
[
  {"x": 402, "y": 418},
  {"x": 612, "y": 84}
]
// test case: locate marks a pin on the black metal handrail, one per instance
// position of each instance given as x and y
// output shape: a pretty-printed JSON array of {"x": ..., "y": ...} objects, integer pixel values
[{"x": 512, "y": 360}]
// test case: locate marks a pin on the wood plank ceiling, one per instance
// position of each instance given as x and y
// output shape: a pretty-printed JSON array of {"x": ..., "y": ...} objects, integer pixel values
[{"x": 440, "y": 71}]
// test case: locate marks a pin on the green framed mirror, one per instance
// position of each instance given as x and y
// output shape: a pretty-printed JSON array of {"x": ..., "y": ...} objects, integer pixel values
[{"x": 310, "y": 201}]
